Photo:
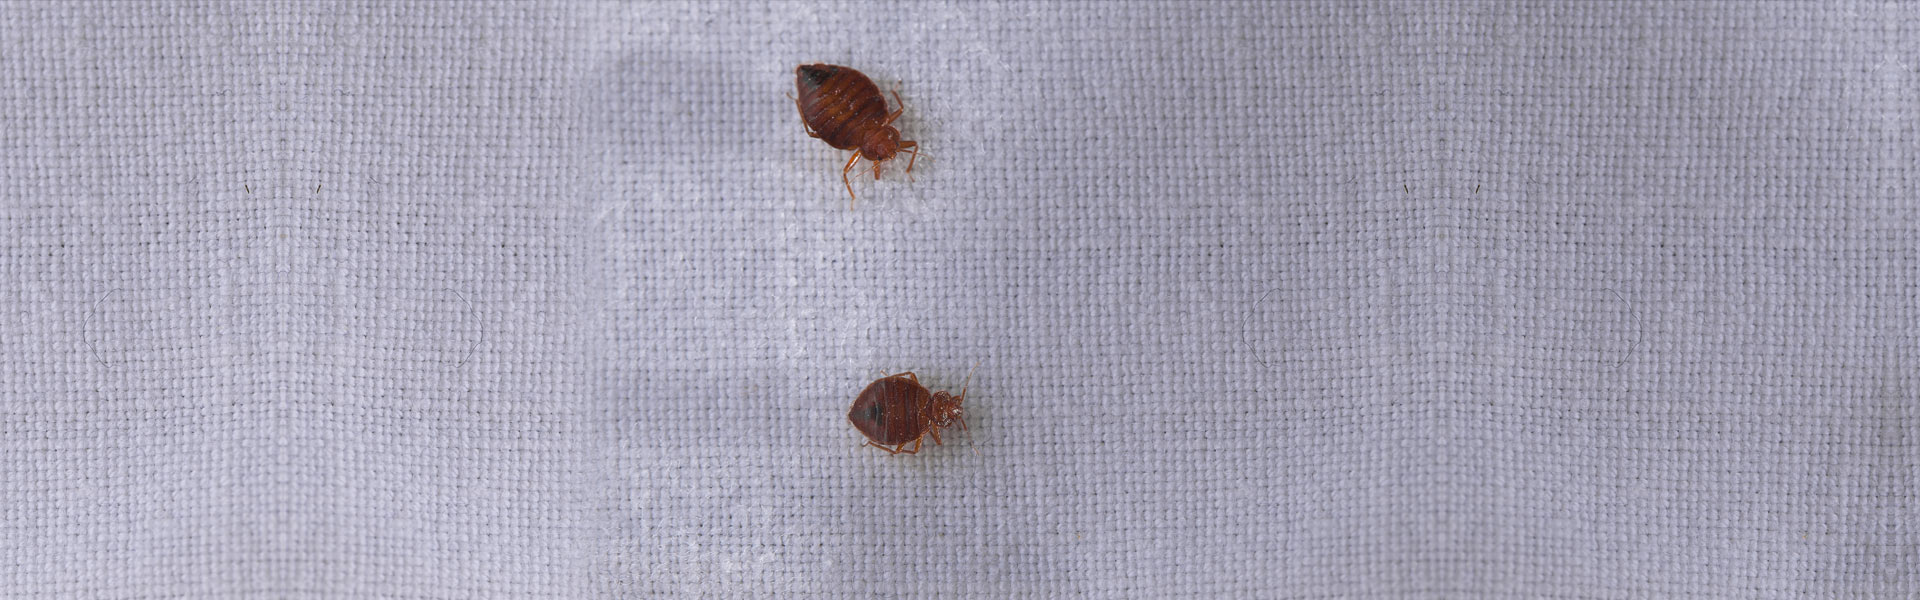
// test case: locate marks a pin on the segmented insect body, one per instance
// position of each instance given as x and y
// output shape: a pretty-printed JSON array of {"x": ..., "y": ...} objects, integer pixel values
[
  {"x": 896, "y": 410},
  {"x": 843, "y": 108}
]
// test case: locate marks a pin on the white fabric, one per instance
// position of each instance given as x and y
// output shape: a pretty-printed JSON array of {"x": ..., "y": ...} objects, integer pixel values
[{"x": 438, "y": 300}]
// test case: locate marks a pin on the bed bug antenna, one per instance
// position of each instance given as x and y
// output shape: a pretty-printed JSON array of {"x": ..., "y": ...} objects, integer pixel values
[{"x": 963, "y": 416}]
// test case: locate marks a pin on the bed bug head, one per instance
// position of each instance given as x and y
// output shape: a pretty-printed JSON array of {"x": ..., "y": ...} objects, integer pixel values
[
  {"x": 944, "y": 410},
  {"x": 881, "y": 146}
]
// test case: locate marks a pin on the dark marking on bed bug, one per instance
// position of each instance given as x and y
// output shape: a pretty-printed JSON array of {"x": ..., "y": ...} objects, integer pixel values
[
  {"x": 843, "y": 108},
  {"x": 896, "y": 411}
]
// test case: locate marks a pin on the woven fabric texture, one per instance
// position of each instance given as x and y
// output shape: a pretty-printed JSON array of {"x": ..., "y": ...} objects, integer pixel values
[{"x": 1301, "y": 300}]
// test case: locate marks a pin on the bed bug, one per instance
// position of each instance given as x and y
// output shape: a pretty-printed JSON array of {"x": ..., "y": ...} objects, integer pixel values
[
  {"x": 843, "y": 108},
  {"x": 896, "y": 410}
]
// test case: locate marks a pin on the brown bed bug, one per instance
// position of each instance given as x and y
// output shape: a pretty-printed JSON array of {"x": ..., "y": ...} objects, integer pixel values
[
  {"x": 843, "y": 108},
  {"x": 896, "y": 410}
]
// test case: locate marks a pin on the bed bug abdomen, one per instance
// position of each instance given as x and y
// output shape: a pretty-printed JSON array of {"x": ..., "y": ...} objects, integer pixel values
[
  {"x": 892, "y": 410},
  {"x": 842, "y": 106}
]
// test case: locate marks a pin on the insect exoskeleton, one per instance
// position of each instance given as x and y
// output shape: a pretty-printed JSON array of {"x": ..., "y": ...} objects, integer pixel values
[
  {"x": 843, "y": 108},
  {"x": 896, "y": 410}
]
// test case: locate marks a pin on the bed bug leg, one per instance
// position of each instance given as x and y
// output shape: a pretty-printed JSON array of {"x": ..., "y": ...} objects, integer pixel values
[
  {"x": 900, "y": 450},
  {"x": 913, "y": 147},
  {"x": 843, "y": 178},
  {"x": 803, "y": 117},
  {"x": 896, "y": 114},
  {"x": 904, "y": 145},
  {"x": 909, "y": 374},
  {"x": 963, "y": 429}
]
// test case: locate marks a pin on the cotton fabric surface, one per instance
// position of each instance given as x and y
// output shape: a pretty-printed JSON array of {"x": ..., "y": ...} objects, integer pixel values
[{"x": 1291, "y": 300}]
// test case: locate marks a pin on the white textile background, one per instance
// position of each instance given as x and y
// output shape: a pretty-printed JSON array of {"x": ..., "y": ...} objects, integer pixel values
[{"x": 1304, "y": 300}]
